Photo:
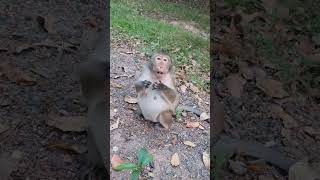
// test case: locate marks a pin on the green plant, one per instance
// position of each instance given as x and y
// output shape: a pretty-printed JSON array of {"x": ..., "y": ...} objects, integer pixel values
[
  {"x": 144, "y": 158},
  {"x": 178, "y": 112}
]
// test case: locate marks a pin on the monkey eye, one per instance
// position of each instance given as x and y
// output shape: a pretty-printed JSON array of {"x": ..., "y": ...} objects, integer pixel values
[
  {"x": 158, "y": 58},
  {"x": 165, "y": 59}
]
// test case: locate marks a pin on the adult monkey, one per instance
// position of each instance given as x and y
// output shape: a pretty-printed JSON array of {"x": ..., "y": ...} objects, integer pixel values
[{"x": 92, "y": 72}]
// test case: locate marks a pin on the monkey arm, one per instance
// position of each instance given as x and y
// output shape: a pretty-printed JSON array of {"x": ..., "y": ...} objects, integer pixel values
[
  {"x": 167, "y": 93},
  {"x": 142, "y": 85}
]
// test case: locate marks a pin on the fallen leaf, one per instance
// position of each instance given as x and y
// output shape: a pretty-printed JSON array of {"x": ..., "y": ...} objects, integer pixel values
[
  {"x": 47, "y": 23},
  {"x": 115, "y": 161},
  {"x": 234, "y": 84},
  {"x": 116, "y": 85},
  {"x": 175, "y": 160},
  {"x": 115, "y": 125},
  {"x": 246, "y": 72},
  {"x": 206, "y": 160},
  {"x": 150, "y": 174},
  {"x": 67, "y": 158},
  {"x": 257, "y": 168},
  {"x": 13, "y": 73},
  {"x": 130, "y": 100},
  {"x": 75, "y": 148},
  {"x": 189, "y": 143},
  {"x": 237, "y": 167},
  {"x": 204, "y": 116},
  {"x": 192, "y": 124},
  {"x": 310, "y": 131},
  {"x": 67, "y": 123},
  {"x": 174, "y": 140},
  {"x": 16, "y": 154},
  {"x": 183, "y": 88},
  {"x": 278, "y": 112},
  {"x": 22, "y": 47},
  {"x": 194, "y": 88},
  {"x": 304, "y": 170},
  {"x": 272, "y": 88}
]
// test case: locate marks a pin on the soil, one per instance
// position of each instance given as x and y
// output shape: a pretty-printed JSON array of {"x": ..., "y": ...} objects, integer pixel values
[{"x": 135, "y": 132}]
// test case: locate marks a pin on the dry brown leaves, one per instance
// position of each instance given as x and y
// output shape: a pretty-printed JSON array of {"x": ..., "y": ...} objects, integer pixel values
[
  {"x": 47, "y": 23},
  {"x": 234, "y": 83},
  {"x": 272, "y": 88},
  {"x": 175, "y": 160},
  {"x": 67, "y": 123},
  {"x": 116, "y": 161},
  {"x": 15, "y": 74},
  {"x": 130, "y": 100}
]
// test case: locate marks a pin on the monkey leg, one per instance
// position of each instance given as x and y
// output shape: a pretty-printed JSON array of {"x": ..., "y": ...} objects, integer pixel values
[{"x": 165, "y": 119}]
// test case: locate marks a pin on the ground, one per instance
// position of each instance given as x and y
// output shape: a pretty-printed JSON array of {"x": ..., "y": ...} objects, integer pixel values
[{"x": 267, "y": 76}]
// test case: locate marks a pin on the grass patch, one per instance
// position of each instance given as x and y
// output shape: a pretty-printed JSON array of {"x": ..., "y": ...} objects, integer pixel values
[
  {"x": 177, "y": 10},
  {"x": 182, "y": 46}
]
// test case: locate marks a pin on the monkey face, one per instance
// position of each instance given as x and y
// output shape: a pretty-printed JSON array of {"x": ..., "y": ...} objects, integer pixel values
[{"x": 161, "y": 64}]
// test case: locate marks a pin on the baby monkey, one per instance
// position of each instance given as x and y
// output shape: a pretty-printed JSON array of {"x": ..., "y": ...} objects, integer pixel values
[{"x": 157, "y": 94}]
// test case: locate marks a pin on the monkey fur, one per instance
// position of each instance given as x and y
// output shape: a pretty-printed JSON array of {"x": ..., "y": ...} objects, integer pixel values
[{"x": 157, "y": 94}]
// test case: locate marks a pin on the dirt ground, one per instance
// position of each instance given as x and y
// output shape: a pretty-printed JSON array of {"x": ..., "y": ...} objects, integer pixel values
[
  {"x": 38, "y": 79},
  {"x": 134, "y": 132}
]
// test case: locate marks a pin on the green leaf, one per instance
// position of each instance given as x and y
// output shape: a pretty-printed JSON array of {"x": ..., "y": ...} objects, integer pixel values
[
  {"x": 135, "y": 175},
  {"x": 126, "y": 165},
  {"x": 144, "y": 157}
]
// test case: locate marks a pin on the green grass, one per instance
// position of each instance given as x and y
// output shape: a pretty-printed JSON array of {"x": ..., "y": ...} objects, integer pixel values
[
  {"x": 181, "y": 45},
  {"x": 180, "y": 11}
]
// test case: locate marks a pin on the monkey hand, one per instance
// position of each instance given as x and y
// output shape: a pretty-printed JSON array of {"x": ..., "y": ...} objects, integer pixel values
[
  {"x": 146, "y": 83},
  {"x": 158, "y": 85}
]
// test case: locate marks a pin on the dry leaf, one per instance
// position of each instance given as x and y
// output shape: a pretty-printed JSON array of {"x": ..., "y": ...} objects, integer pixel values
[
  {"x": 183, "y": 88},
  {"x": 47, "y": 23},
  {"x": 278, "y": 112},
  {"x": 192, "y": 124},
  {"x": 304, "y": 170},
  {"x": 204, "y": 116},
  {"x": 116, "y": 85},
  {"x": 272, "y": 88},
  {"x": 193, "y": 88},
  {"x": 115, "y": 125},
  {"x": 206, "y": 160},
  {"x": 234, "y": 84},
  {"x": 22, "y": 47},
  {"x": 15, "y": 74},
  {"x": 175, "y": 160},
  {"x": 130, "y": 100},
  {"x": 311, "y": 131},
  {"x": 189, "y": 143},
  {"x": 75, "y": 148},
  {"x": 257, "y": 168},
  {"x": 201, "y": 127},
  {"x": 116, "y": 161},
  {"x": 174, "y": 140},
  {"x": 67, "y": 123},
  {"x": 246, "y": 72}
]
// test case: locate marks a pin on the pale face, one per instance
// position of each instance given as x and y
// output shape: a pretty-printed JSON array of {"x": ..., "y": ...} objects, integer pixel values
[{"x": 161, "y": 64}]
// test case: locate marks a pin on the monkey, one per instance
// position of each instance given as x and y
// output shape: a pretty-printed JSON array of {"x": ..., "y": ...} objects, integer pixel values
[
  {"x": 157, "y": 94},
  {"x": 92, "y": 75}
]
